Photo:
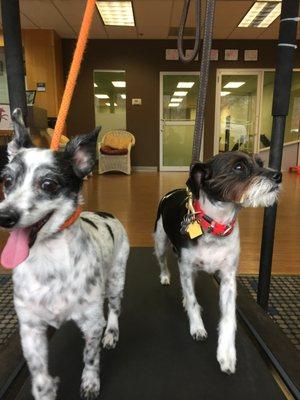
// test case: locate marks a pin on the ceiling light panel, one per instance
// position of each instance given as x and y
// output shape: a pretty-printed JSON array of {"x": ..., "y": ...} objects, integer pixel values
[
  {"x": 180, "y": 94},
  {"x": 223, "y": 94},
  {"x": 116, "y": 13},
  {"x": 261, "y": 14},
  {"x": 185, "y": 85},
  {"x": 101, "y": 96},
  {"x": 176, "y": 99},
  {"x": 123, "y": 96},
  {"x": 95, "y": 84},
  {"x": 108, "y": 104},
  {"x": 121, "y": 84},
  {"x": 233, "y": 85},
  {"x": 174, "y": 104}
]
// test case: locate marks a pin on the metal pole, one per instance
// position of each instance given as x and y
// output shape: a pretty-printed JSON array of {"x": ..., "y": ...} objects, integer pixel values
[
  {"x": 14, "y": 55},
  {"x": 281, "y": 98}
]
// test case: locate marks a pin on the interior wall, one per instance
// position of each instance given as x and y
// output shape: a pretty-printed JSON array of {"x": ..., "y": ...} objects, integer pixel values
[
  {"x": 43, "y": 63},
  {"x": 143, "y": 60}
]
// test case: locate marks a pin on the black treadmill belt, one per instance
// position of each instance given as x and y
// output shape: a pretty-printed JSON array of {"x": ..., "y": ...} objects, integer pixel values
[{"x": 156, "y": 358}]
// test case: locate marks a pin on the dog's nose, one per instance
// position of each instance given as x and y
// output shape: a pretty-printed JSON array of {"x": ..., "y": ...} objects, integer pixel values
[
  {"x": 277, "y": 177},
  {"x": 8, "y": 218}
]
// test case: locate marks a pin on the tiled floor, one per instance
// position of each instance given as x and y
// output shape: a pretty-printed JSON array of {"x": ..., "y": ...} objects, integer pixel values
[{"x": 284, "y": 303}]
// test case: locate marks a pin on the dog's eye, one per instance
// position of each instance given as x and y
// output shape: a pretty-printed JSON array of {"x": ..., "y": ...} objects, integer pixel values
[
  {"x": 7, "y": 181},
  {"x": 239, "y": 167},
  {"x": 48, "y": 185}
]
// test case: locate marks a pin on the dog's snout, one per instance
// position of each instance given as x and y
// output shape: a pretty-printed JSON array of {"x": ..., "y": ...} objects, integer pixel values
[
  {"x": 277, "y": 177},
  {"x": 9, "y": 218}
]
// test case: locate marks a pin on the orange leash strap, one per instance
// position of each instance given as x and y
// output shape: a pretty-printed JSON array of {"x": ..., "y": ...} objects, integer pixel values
[{"x": 73, "y": 74}]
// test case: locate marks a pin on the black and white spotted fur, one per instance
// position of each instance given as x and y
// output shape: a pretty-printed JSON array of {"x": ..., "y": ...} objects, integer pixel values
[
  {"x": 69, "y": 274},
  {"x": 223, "y": 185}
]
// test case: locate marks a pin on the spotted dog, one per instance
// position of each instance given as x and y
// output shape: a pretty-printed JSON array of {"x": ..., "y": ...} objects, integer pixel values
[
  {"x": 216, "y": 191},
  {"x": 65, "y": 268}
]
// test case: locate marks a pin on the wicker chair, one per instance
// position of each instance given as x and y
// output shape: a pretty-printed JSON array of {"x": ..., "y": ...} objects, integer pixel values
[{"x": 116, "y": 140}]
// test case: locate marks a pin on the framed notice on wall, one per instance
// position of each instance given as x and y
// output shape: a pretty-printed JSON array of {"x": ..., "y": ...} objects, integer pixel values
[
  {"x": 250, "y": 55},
  {"x": 172, "y": 54},
  {"x": 231, "y": 55},
  {"x": 214, "y": 55}
]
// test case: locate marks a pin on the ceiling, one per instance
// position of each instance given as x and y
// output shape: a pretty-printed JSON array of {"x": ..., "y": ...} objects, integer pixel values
[{"x": 154, "y": 18}]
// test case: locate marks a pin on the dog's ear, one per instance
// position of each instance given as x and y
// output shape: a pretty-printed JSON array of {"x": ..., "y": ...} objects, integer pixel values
[
  {"x": 82, "y": 150},
  {"x": 21, "y": 138},
  {"x": 199, "y": 172}
]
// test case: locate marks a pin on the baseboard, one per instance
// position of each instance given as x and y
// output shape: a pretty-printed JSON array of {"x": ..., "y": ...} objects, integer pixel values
[{"x": 142, "y": 168}]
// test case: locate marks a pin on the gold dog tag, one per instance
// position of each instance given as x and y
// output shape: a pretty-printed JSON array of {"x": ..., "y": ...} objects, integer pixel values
[{"x": 194, "y": 230}]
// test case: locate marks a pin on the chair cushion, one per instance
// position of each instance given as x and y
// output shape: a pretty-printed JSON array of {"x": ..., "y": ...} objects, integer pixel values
[
  {"x": 113, "y": 152},
  {"x": 116, "y": 141}
]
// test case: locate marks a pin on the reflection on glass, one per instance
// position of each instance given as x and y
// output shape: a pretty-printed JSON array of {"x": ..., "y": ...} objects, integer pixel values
[
  {"x": 179, "y": 112},
  {"x": 177, "y": 144},
  {"x": 238, "y": 106},
  {"x": 180, "y": 90},
  {"x": 292, "y": 128},
  {"x": 110, "y": 100}
]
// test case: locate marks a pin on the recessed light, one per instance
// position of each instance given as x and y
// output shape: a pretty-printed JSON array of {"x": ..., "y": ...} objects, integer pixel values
[
  {"x": 185, "y": 85},
  {"x": 261, "y": 14},
  {"x": 108, "y": 104},
  {"x": 180, "y": 94},
  {"x": 119, "y": 83},
  {"x": 223, "y": 94},
  {"x": 116, "y": 13},
  {"x": 176, "y": 99},
  {"x": 95, "y": 84},
  {"x": 123, "y": 96},
  {"x": 101, "y": 96},
  {"x": 233, "y": 85},
  {"x": 174, "y": 104}
]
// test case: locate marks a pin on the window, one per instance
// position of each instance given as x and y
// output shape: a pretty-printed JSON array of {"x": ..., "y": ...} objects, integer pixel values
[{"x": 292, "y": 128}]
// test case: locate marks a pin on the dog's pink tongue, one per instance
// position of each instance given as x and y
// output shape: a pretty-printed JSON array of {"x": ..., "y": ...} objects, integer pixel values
[{"x": 16, "y": 249}]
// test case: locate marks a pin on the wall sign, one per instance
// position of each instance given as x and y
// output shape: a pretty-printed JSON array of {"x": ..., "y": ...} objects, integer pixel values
[
  {"x": 214, "y": 55},
  {"x": 172, "y": 54},
  {"x": 231, "y": 55},
  {"x": 136, "y": 102},
  {"x": 250, "y": 55},
  {"x": 41, "y": 87},
  {"x": 189, "y": 52}
]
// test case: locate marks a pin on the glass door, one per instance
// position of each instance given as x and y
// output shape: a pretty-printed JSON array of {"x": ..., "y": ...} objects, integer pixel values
[
  {"x": 178, "y": 101},
  {"x": 237, "y": 110}
]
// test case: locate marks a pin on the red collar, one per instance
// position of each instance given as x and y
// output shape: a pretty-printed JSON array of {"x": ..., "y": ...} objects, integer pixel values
[
  {"x": 68, "y": 222},
  {"x": 213, "y": 227}
]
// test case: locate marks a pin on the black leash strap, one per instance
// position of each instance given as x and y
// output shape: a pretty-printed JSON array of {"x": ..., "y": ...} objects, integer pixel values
[{"x": 204, "y": 68}]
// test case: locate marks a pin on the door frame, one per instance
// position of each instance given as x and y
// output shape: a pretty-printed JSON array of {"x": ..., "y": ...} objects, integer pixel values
[
  {"x": 238, "y": 71},
  {"x": 161, "y": 121}
]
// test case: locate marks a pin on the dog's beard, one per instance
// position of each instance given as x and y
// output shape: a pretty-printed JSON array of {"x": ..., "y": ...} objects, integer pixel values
[{"x": 262, "y": 192}]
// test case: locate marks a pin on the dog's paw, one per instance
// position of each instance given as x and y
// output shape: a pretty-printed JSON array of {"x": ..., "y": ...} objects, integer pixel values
[
  {"x": 165, "y": 279},
  {"x": 226, "y": 357},
  {"x": 90, "y": 385},
  {"x": 45, "y": 387},
  {"x": 110, "y": 338},
  {"x": 198, "y": 333}
]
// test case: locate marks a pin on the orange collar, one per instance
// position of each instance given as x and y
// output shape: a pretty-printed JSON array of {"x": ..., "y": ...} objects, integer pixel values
[{"x": 68, "y": 222}]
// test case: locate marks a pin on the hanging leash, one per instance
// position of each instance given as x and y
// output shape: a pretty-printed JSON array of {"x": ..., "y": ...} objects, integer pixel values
[
  {"x": 73, "y": 74},
  {"x": 204, "y": 68}
]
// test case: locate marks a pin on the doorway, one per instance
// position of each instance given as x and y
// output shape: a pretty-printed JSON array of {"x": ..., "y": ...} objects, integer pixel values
[{"x": 178, "y": 101}]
